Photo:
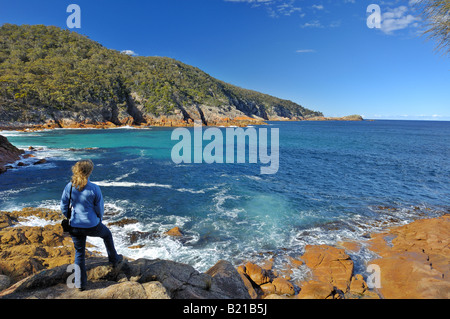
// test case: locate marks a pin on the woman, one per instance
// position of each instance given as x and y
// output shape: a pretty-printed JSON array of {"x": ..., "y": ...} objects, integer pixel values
[{"x": 86, "y": 217}]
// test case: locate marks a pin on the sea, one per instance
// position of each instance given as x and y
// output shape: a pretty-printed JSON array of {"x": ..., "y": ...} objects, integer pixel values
[{"x": 335, "y": 181}]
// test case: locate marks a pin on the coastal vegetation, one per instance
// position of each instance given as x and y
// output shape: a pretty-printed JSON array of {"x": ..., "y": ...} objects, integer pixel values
[
  {"x": 45, "y": 70},
  {"x": 436, "y": 14}
]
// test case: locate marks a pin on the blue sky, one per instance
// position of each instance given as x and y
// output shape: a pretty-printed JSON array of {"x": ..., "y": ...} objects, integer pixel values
[{"x": 318, "y": 53}]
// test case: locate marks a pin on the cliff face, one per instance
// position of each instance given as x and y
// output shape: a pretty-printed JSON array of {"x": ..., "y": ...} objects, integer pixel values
[
  {"x": 50, "y": 75},
  {"x": 8, "y": 153}
]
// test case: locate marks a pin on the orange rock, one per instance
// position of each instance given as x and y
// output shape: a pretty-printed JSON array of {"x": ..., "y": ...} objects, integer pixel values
[
  {"x": 241, "y": 269},
  {"x": 251, "y": 291},
  {"x": 316, "y": 290},
  {"x": 5, "y": 221},
  {"x": 244, "y": 118},
  {"x": 358, "y": 285},
  {"x": 295, "y": 262},
  {"x": 407, "y": 275},
  {"x": 268, "y": 288},
  {"x": 268, "y": 264},
  {"x": 136, "y": 246},
  {"x": 175, "y": 232},
  {"x": 329, "y": 264},
  {"x": 25, "y": 250},
  {"x": 350, "y": 245},
  {"x": 109, "y": 124},
  {"x": 283, "y": 287},
  {"x": 257, "y": 274},
  {"x": 414, "y": 259}
]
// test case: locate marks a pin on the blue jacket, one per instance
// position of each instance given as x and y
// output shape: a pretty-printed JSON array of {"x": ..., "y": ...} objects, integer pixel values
[{"x": 88, "y": 206}]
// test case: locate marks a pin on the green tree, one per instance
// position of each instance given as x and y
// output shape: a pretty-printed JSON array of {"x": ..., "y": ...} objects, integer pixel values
[{"x": 436, "y": 14}]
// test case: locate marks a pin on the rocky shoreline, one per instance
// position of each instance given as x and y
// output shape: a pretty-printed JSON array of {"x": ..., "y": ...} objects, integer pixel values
[
  {"x": 10, "y": 154},
  {"x": 163, "y": 121},
  {"x": 412, "y": 261}
]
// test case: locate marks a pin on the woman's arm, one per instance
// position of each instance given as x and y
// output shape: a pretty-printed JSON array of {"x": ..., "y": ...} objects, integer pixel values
[
  {"x": 65, "y": 200},
  {"x": 99, "y": 205}
]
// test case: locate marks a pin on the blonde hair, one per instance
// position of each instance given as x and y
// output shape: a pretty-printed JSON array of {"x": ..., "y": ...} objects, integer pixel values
[{"x": 81, "y": 172}]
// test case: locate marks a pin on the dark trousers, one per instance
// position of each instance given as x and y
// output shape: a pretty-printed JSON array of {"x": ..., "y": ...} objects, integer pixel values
[{"x": 79, "y": 241}]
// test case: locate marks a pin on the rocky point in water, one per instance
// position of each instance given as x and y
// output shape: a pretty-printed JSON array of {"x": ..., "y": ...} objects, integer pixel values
[{"x": 8, "y": 153}]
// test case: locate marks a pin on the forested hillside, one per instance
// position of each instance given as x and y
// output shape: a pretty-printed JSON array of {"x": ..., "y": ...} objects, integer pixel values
[{"x": 47, "y": 73}]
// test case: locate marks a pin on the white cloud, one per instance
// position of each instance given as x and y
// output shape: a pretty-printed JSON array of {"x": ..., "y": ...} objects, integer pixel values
[
  {"x": 335, "y": 24},
  {"x": 129, "y": 52},
  {"x": 312, "y": 24},
  {"x": 397, "y": 19},
  {"x": 306, "y": 51},
  {"x": 420, "y": 117},
  {"x": 288, "y": 8},
  {"x": 275, "y": 8},
  {"x": 248, "y": 0},
  {"x": 413, "y": 2},
  {"x": 296, "y": 9}
]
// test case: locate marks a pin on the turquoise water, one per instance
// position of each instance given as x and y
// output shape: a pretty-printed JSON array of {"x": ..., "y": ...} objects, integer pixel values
[{"x": 333, "y": 182}]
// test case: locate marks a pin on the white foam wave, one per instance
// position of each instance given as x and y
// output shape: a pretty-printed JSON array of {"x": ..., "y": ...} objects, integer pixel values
[
  {"x": 201, "y": 191},
  {"x": 127, "y": 127},
  {"x": 133, "y": 171},
  {"x": 50, "y": 204},
  {"x": 29, "y": 164},
  {"x": 155, "y": 244},
  {"x": 7, "y": 192},
  {"x": 129, "y": 184},
  {"x": 41, "y": 151},
  {"x": 116, "y": 206},
  {"x": 116, "y": 183},
  {"x": 16, "y": 133},
  {"x": 34, "y": 221},
  {"x": 220, "y": 198},
  {"x": 255, "y": 178}
]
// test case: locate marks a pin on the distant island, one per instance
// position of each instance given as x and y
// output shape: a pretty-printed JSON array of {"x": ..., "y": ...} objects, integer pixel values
[
  {"x": 50, "y": 77},
  {"x": 343, "y": 118}
]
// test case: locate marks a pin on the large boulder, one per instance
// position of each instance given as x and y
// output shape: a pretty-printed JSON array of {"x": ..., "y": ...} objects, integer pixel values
[
  {"x": 128, "y": 290},
  {"x": 184, "y": 282},
  {"x": 283, "y": 286},
  {"x": 8, "y": 153},
  {"x": 139, "y": 279},
  {"x": 330, "y": 265},
  {"x": 4, "y": 282},
  {"x": 316, "y": 290},
  {"x": 226, "y": 281},
  {"x": 25, "y": 250},
  {"x": 257, "y": 274},
  {"x": 414, "y": 259}
]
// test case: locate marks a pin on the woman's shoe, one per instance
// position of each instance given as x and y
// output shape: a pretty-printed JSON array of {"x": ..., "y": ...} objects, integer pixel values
[{"x": 118, "y": 261}]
